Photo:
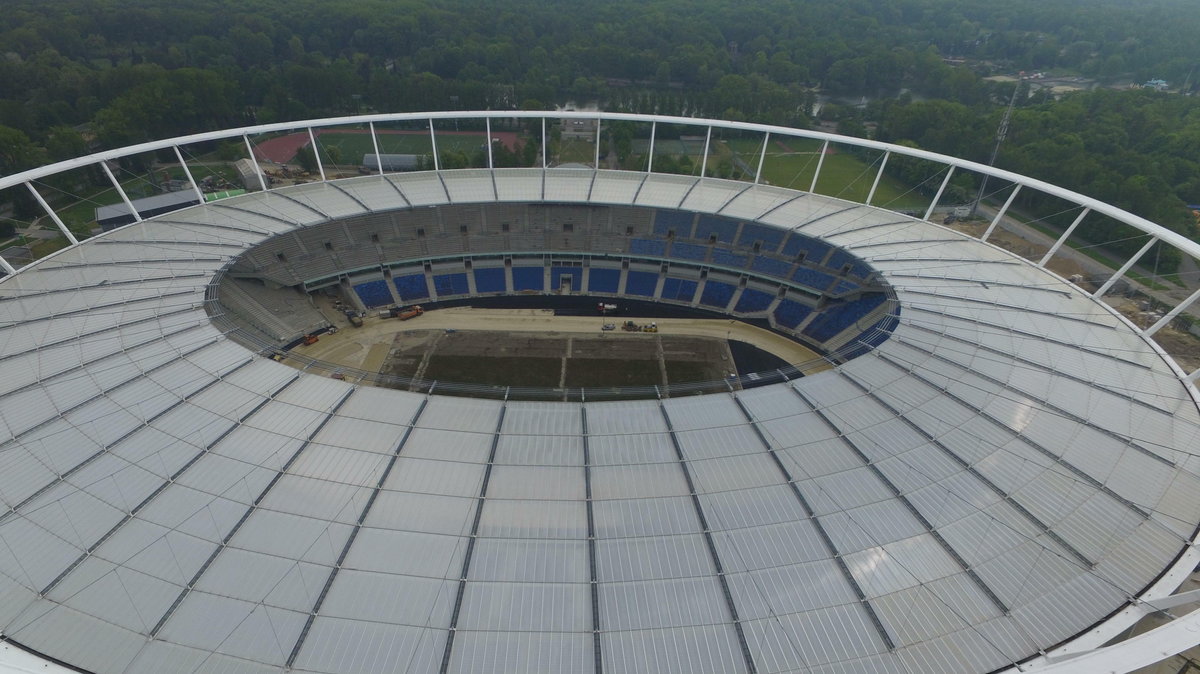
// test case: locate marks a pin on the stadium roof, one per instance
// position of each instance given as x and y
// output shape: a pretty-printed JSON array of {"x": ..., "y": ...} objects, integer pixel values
[{"x": 1003, "y": 475}]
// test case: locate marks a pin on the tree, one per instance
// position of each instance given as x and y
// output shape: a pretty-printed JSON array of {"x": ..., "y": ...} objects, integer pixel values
[
  {"x": 64, "y": 142},
  {"x": 307, "y": 159},
  {"x": 17, "y": 152}
]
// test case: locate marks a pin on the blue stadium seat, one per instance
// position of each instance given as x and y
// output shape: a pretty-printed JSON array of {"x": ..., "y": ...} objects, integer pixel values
[
  {"x": 689, "y": 251},
  {"x": 790, "y": 313},
  {"x": 837, "y": 317},
  {"x": 839, "y": 259},
  {"x": 679, "y": 289},
  {"x": 812, "y": 278},
  {"x": 843, "y": 286},
  {"x": 871, "y": 338},
  {"x": 647, "y": 247},
  {"x": 728, "y": 258},
  {"x": 724, "y": 228},
  {"x": 411, "y": 287},
  {"x": 770, "y": 266},
  {"x": 770, "y": 236},
  {"x": 489, "y": 280},
  {"x": 680, "y": 221},
  {"x": 373, "y": 293},
  {"x": 604, "y": 280},
  {"x": 716, "y": 294},
  {"x": 641, "y": 283},
  {"x": 815, "y": 251},
  {"x": 528, "y": 278},
  {"x": 752, "y": 301},
  {"x": 450, "y": 284},
  {"x": 576, "y": 274}
]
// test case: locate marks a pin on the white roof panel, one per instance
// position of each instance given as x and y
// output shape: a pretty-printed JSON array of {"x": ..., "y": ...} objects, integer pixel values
[{"x": 1014, "y": 445}]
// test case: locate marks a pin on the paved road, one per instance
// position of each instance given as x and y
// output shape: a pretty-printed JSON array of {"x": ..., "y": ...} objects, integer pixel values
[{"x": 1189, "y": 275}]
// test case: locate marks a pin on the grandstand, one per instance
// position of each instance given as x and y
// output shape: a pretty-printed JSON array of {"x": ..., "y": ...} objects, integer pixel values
[
  {"x": 997, "y": 475},
  {"x": 514, "y": 248}
]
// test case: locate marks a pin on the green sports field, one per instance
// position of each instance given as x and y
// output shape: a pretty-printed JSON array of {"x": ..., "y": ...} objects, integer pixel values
[{"x": 845, "y": 176}]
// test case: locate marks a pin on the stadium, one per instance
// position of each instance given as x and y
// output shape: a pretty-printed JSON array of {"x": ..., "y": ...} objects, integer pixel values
[{"x": 953, "y": 460}]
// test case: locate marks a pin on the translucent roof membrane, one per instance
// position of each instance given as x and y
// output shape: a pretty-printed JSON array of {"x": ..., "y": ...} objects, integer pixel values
[{"x": 1005, "y": 471}]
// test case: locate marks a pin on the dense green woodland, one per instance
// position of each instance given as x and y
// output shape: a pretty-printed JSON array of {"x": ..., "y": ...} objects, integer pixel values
[{"x": 117, "y": 72}]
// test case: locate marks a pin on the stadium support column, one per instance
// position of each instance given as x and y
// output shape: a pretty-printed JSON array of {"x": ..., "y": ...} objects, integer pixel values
[
  {"x": 375, "y": 145},
  {"x": 312, "y": 142},
  {"x": 7, "y": 267},
  {"x": 262, "y": 179},
  {"x": 1120, "y": 273},
  {"x": 878, "y": 176},
  {"x": 121, "y": 191},
  {"x": 491, "y": 165},
  {"x": 188, "y": 172},
  {"x": 433, "y": 144},
  {"x": 596, "y": 165},
  {"x": 1000, "y": 213},
  {"x": 772, "y": 307},
  {"x": 938, "y": 197},
  {"x": 650, "y": 154},
  {"x": 733, "y": 301},
  {"x": 1171, "y": 315},
  {"x": 820, "y": 162},
  {"x": 1063, "y": 239},
  {"x": 704, "y": 159},
  {"x": 762, "y": 156},
  {"x": 488, "y": 128},
  {"x": 54, "y": 216},
  {"x": 544, "y": 150},
  {"x": 430, "y": 286}
]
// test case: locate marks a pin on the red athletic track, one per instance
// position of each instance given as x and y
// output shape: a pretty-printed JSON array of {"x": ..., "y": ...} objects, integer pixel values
[{"x": 283, "y": 149}]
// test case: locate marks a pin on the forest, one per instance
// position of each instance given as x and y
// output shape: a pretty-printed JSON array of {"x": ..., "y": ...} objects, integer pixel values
[{"x": 81, "y": 75}]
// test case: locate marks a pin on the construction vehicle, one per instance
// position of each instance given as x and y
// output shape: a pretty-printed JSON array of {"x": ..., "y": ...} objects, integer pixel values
[
  {"x": 354, "y": 317},
  {"x": 630, "y": 326},
  {"x": 310, "y": 339},
  {"x": 408, "y": 312}
]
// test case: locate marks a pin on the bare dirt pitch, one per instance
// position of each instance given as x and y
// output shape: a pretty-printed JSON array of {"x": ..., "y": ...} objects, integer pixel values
[{"x": 552, "y": 360}]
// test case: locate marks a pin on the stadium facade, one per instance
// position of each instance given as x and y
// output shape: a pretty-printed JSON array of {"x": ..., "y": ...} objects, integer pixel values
[{"x": 996, "y": 472}]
